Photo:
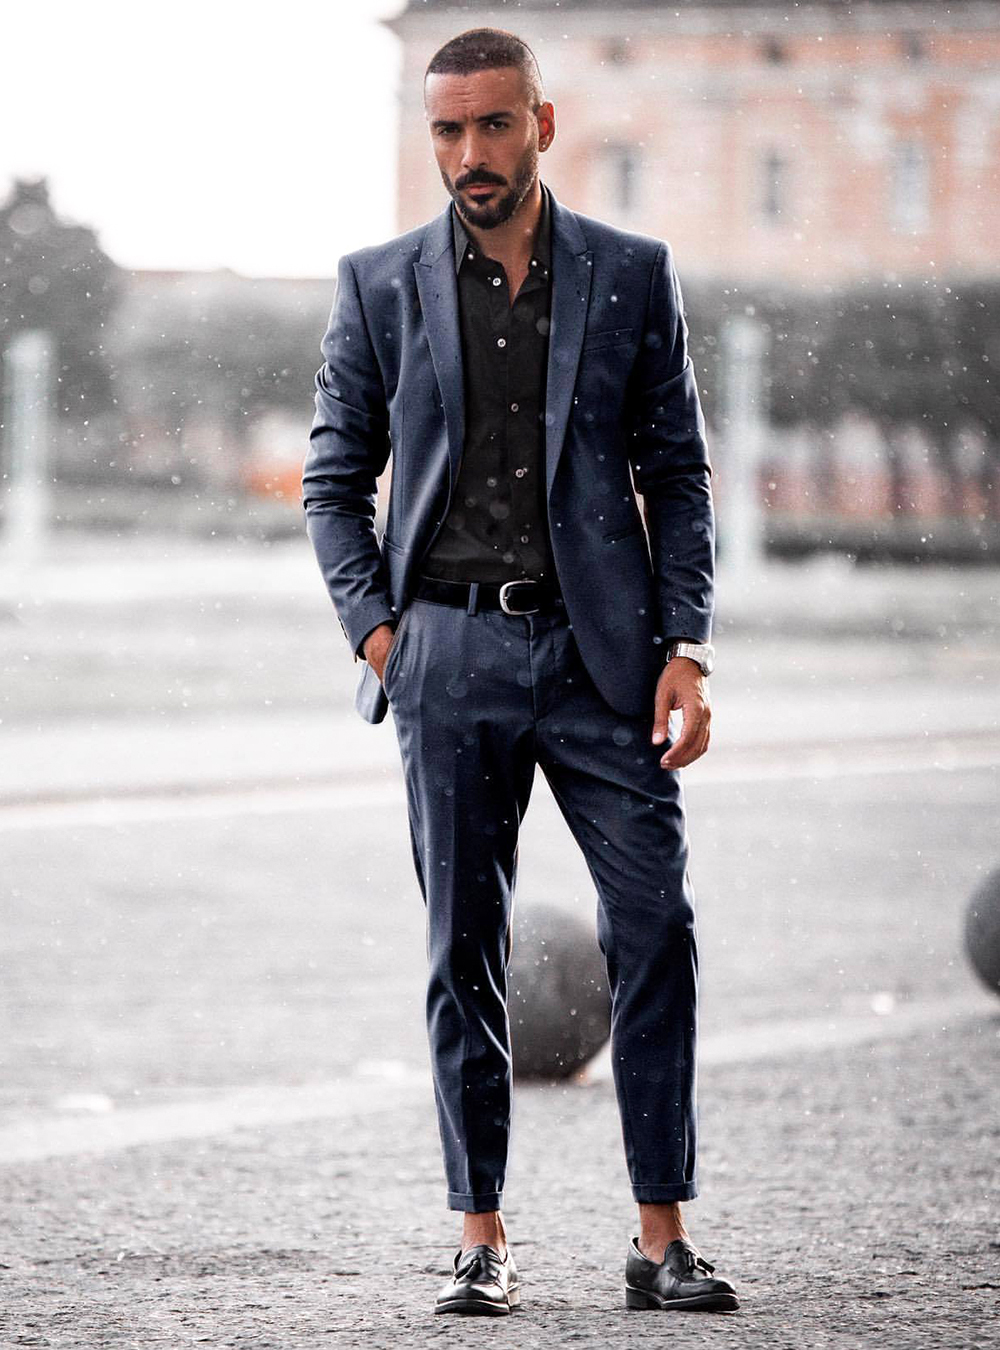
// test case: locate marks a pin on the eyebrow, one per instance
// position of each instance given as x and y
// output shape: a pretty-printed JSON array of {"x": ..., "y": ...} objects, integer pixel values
[{"x": 486, "y": 117}]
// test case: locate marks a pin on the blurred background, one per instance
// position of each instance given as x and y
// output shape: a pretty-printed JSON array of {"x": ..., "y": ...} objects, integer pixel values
[
  {"x": 206, "y": 884},
  {"x": 826, "y": 183}
]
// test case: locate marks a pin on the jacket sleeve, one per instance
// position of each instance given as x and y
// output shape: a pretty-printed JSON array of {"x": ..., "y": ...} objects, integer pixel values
[
  {"x": 348, "y": 449},
  {"x": 668, "y": 455}
]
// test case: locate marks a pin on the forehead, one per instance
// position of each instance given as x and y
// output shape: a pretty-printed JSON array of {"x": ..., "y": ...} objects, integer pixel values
[{"x": 462, "y": 98}]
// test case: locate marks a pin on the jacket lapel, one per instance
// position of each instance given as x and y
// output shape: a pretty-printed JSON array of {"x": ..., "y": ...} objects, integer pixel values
[
  {"x": 572, "y": 271},
  {"x": 437, "y": 287}
]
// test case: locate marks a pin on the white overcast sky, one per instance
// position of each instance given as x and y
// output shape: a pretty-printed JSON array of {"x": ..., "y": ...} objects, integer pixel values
[{"x": 198, "y": 135}]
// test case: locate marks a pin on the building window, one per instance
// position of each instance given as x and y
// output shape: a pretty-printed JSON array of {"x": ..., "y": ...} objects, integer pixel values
[
  {"x": 775, "y": 169},
  {"x": 617, "y": 187},
  {"x": 910, "y": 187}
]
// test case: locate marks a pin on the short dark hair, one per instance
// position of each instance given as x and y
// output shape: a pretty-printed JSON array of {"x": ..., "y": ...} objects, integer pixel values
[{"x": 489, "y": 49}]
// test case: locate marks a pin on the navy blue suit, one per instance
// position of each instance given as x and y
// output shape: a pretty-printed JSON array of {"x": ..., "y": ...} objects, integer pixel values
[
  {"x": 621, "y": 392},
  {"x": 480, "y": 697}
]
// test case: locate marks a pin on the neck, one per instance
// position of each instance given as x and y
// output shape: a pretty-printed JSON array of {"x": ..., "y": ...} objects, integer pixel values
[{"x": 514, "y": 240}]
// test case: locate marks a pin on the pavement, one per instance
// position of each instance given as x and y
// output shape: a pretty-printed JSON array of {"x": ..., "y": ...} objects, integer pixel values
[
  {"x": 178, "y": 665},
  {"x": 822, "y": 593},
  {"x": 850, "y": 1195},
  {"x": 216, "y": 1121}
]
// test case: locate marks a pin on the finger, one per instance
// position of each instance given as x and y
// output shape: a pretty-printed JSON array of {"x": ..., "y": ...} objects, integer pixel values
[
  {"x": 699, "y": 749},
  {"x": 662, "y": 708},
  {"x": 678, "y": 752},
  {"x": 678, "y": 755},
  {"x": 682, "y": 750},
  {"x": 690, "y": 756}
]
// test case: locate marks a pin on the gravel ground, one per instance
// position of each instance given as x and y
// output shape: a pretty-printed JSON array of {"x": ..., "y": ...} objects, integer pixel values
[{"x": 851, "y": 1198}]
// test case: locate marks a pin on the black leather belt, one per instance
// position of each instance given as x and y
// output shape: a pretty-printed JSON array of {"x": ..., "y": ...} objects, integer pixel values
[{"x": 523, "y": 596}]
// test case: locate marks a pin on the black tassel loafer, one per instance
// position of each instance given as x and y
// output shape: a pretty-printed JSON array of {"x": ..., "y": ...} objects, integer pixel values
[
  {"x": 682, "y": 1280},
  {"x": 481, "y": 1283}
]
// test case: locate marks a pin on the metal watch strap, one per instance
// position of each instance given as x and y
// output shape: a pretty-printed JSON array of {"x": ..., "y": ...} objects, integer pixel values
[{"x": 701, "y": 652}]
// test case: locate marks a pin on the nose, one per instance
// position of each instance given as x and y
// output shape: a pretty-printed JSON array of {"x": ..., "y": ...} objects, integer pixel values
[{"x": 472, "y": 156}]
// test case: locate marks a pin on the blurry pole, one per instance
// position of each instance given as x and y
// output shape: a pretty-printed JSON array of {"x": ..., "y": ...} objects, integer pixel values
[
  {"x": 743, "y": 343},
  {"x": 27, "y": 395}
]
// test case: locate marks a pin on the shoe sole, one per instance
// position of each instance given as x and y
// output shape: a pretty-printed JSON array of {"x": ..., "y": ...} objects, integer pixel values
[
  {"x": 643, "y": 1299},
  {"x": 481, "y": 1307}
]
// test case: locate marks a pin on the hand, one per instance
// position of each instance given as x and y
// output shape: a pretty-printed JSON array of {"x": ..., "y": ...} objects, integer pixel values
[
  {"x": 682, "y": 685},
  {"x": 377, "y": 645}
]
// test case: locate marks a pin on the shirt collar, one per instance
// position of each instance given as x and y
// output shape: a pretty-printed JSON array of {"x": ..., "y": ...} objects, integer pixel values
[{"x": 542, "y": 254}]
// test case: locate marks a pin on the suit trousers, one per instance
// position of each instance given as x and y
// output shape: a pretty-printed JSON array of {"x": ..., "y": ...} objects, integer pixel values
[{"x": 479, "y": 697}]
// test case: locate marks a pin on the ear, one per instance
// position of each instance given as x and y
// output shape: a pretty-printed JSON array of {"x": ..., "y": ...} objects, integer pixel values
[{"x": 546, "y": 116}]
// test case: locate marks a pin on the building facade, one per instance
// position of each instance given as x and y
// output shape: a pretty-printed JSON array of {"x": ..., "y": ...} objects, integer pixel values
[{"x": 815, "y": 143}]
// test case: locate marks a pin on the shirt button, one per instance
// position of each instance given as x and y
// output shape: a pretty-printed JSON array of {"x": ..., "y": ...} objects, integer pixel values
[
  {"x": 519, "y": 473},
  {"x": 514, "y": 407},
  {"x": 501, "y": 342},
  {"x": 524, "y": 538},
  {"x": 496, "y": 281},
  {"x": 470, "y": 255}
]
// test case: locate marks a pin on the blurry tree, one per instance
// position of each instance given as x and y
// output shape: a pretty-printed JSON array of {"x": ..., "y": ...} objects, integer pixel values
[
  {"x": 55, "y": 276},
  {"x": 917, "y": 354},
  {"x": 976, "y": 354},
  {"x": 232, "y": 352}
]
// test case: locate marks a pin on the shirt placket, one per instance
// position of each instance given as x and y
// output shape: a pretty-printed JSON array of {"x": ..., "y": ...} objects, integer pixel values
[
  {"x": 500, "y": 337},
  {"x": 523, "y": 355}
]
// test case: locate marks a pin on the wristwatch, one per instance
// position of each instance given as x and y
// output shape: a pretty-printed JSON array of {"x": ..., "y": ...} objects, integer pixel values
[{"x": 702, "y": 652}]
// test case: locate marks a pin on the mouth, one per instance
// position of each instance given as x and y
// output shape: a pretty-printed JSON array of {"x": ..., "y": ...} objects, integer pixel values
[{"x": 480, "y": 189}]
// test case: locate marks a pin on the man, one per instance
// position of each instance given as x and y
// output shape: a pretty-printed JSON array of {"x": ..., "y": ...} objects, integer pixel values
[{"x": 519, "y": 360}]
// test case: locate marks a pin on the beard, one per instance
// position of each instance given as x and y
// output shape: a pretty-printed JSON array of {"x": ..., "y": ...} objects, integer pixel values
[{"x": 497, "y": 212}]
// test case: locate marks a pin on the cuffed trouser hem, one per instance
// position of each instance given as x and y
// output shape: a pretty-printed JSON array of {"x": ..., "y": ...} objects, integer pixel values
[
  {"x": 475, "y": 1204},
  {"x": 661, "y": 1195}
]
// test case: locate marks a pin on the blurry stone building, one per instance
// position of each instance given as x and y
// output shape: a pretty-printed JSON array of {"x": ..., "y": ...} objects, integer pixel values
[{"x": 813, "y": 143}]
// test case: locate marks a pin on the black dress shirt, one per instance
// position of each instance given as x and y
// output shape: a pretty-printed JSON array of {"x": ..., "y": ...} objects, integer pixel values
[{"x": 496, "y": 528}]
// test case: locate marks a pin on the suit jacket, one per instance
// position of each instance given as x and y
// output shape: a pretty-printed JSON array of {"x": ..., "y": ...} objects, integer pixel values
[{"x": 621, "y": 399}]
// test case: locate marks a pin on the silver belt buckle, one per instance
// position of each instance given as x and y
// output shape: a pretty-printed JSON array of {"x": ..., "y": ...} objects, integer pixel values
[{"x": 503, "y": 597}]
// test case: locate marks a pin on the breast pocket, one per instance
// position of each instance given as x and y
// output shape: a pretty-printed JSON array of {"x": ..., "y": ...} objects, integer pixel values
[
  {"x": 607, "y": 337},
  {"x": 605, "y": 365}
]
